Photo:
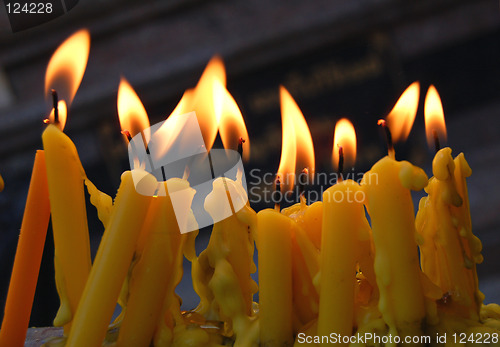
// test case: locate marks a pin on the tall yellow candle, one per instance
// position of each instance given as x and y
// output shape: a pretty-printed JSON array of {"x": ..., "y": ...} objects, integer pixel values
[
  {"x": 275, "y": 278},
  {"x": 305, "y": 259},
  {"x": 473, "y": 245},
  {"x": 387, "y": 186},
  {"x": 153, "y": 272},
  {"x": 28, "y": 258},
  {"x": 443, "y": 251},
  {"x": 65, "y": 176},
  {"x": 113, "y": 260},
  {"x": 230, "y": 240},
  {"x": 343, "y": 213}
]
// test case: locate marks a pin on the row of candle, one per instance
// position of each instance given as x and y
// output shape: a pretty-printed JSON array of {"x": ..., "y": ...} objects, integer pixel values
[{"x": 323, "y": 268}]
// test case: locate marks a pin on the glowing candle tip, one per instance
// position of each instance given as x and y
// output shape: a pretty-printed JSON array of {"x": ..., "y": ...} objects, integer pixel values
[
  {"x": 55, "y": 104},
  {"x": 435, "y": 127},
  {"x": 388, "y": 137},
  {"x": 241, "y": 141},
  {"x": 277, "y": 204},
  {"x": 340, "y": 168}
]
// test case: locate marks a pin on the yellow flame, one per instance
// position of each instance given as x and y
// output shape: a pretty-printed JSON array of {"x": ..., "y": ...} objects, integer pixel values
[
  {"x": 131, "y": 111},
  {"x": 400, "y": 119},
  {"x": 434, "y": 117},
  {"x": 67, "y": 66},
  {"x": 230, "y": 120},
  {"x": 201, "y": 100},
  {"x": 297, "y": 152},
  {"x": 345, "y": 137}
]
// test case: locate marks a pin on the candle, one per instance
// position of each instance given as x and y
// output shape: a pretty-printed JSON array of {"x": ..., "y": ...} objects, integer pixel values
[
  {"x": 305, "y": 259},
  {"x": 388, "y": 200},
  {"x": 65, "y": 176},
  {"x": 443, "y": 250},
  {"x": 443, "y": 222},
  {"x": 28, "y": 258},
  {"x": 113, "y": 259},
  {"x": 387, "y": 186},
  {"x": 154, "y": 270},
  {"x": 343, "y": 213},
  {"x": 473, "y": 245},
  {"x": 231, "y": 241},
  {"x": 275, "y": 278}
]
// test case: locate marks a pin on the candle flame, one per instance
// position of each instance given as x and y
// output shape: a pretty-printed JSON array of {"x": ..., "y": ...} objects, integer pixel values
[
  {"x": 200, "y": 99},
  {"x": 400, "y": 119},
  {"x": 62, "y": 113},
  {"x": 345, "y": 137},
  {"x": 67, "y": 66},
  {"x": 230, "y": 120},
  {"x": 434, "y": 117},
  {"x": 297, "y": 151},
  {"x": 131, "y": 112}
]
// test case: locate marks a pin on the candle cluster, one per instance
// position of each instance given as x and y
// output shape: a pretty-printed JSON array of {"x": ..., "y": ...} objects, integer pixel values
[{"x": 358, "y": 263}]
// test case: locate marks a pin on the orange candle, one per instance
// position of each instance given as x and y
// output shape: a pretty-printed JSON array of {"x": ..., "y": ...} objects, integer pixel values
[{"x": 28, "y": 258}]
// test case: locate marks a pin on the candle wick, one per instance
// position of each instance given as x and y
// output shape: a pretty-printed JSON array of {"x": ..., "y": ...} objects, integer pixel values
[
  {"x": 340, "y": 168},
  {"x": 127, "y": 134},
  {"x": 388, "y": 138},
  {"x": 211, "y": 165},
  {"x": 241, "y": 141},
  {"x": 148, "y": 153},
  {"x": 436, "y": 140},
  {"x": 277, "y": 204},
  {"x": 302, "y": 185},
  {"x": 55, "y": 104},
  {"x": 132, "y": 144}
]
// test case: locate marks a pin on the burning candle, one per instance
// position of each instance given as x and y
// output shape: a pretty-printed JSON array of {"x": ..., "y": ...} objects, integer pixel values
[
  {"x": 121, "y": 234},
  {"x": 112, "y": 260},
  {"x": 274, "y": 244},
  {"x": 155, "y": 268},
  {"x": 65, "y": 176},
  {"x": 226, "y": 293},
  {"x": 28, "y": 258},
  {"x": 298, "y": 154},
  {"x": 388, "y": 200},
  {"x": 444, "y": 224},
  {"x": 343, "y": 214}
]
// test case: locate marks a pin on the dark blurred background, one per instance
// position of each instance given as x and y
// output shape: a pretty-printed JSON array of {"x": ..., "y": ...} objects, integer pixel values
[{"x": 337, "y": 58}]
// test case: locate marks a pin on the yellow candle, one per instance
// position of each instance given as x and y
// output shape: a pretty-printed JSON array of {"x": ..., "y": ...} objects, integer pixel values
[
  {"x": 230, "y": 240},
  {"x": 65, "y": 177},
  {"x": 445, "y": 255},
  {"x": 113, "y": 260},
  {"x": 275, "y": 278},
  {"x": 154, "y": 270},
  {"x": 305, "y": 259},
  {"x": 473, "y": 245},
  {"x": 343, "y": 213},
  {"x": 28, "y": 258},
  {"x": 387, "y": 186}
]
